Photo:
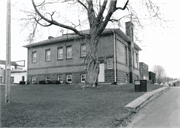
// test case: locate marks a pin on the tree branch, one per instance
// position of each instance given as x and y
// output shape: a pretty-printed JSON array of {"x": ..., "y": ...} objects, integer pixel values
[
  {"x": 100, "y": 14},
  {"x": 82, "y": 4},
  {"x": 91, "y": 13},
  {"x": 53, "y": 22},
  {"x": 123, "y": 7}
]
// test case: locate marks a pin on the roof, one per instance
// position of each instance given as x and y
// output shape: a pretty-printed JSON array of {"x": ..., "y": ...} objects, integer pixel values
[
  {"x": 71, "y": 36},
  {"x": 12, "y": 63}
]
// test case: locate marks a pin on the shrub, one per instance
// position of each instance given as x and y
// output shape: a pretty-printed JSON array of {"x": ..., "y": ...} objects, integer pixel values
[
  {"x": 21, "y": 82},
  {"x": 57, "y": 82},
  {"x": 42, "y": 82}
]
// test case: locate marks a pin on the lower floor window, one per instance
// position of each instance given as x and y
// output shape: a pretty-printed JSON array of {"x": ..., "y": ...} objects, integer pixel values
[
  {"x": 126, "y": 78},
  {"x": 83, "y": 77},
  {"x": 69, "y": 78},
  {"x": 60, "y": 79},
  {"x": 47, "y": 78},
  {"x": 33, "y": 79}
]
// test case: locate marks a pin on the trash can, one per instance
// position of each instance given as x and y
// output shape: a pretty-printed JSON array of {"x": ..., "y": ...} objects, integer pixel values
[
  {"x": 137, "y": 87},
  {"x": 143, "y": 85},
  {"x": 140, "y": 85}
]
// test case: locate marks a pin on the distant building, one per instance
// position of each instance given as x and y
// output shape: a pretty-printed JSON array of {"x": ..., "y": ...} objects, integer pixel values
[
  {"x": 2, "y": 74},
  {"x": 143, "y": 70},
  {"x": 62, "y": 58},
  {"x": 152, "y": 77},
  {"x": 17, "y": 73}
]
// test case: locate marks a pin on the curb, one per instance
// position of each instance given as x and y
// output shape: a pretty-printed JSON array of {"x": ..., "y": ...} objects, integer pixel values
[{"x": 141, "y": 101}]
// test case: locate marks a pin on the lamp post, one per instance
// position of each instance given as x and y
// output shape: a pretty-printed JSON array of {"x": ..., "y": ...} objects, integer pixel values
[{"x": 8, "y": 53}]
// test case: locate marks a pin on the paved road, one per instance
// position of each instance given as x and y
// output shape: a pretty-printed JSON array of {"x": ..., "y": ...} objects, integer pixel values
[{"x": 163, "y": 112}]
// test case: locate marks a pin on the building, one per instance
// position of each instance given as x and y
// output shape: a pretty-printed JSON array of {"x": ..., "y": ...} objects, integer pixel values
[
  {"x": 62, "y": 58},
  {"x": 152, "y": 77},
  {"x": 17, "y": 73},
  {"x": 2, "y": 72},
  {"x": 143, "y": 70}
]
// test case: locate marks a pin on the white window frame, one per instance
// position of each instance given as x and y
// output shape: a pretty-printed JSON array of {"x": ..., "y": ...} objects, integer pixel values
[
  {"x": 60, "y": 53},
  {"x": 60, "y": 79},
  {"x": 83, "y": 79},
  {"x": 48, "y": 55},
  {"x": 47, "y": 78},
  {"x": 69, "y": 77},
  {"x": 34, "y": 57},
  {"x": 83, "y": 50},
  {"x": 69, "y": 52}
]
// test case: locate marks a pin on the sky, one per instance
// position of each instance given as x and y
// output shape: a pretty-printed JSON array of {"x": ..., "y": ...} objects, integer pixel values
[{"x": 160, "y": 40}]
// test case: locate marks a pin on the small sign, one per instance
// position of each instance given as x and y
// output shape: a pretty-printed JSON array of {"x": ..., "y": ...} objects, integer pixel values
[{"x": 137, "y": 82}]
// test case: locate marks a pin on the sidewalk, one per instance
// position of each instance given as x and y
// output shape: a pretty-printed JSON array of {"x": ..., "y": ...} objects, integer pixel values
[
  {"x": 137, "y": 104},
  {"x": 141, "y": 101}
]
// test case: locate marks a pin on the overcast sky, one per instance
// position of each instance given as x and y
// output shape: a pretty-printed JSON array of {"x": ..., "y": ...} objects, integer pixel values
[{"x": 160, "y": 40}]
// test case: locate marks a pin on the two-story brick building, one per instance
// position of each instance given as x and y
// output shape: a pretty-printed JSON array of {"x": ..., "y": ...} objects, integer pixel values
[
  {"x": 62, "y": 58},
  {"x": 143, "y": 71}
]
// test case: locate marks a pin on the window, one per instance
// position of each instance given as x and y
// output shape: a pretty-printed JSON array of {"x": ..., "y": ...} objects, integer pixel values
[
  {"x": 83, "y": 78},
  {"x": 126, "y": 78},
  {"x": 126, "y": 55},
  {"x": 135, "y": 60},
  {"x": 83, "y": 50},
  {"x": 34, "y": 55},
  {"x": 1, "y": 79},
  {"x": 69, "y": 52},
  {"x": 33, "y": 80},
  {"x": 110, "y": 63},
  {"x": 60, "y": 53},
  {"x": 48, "y": 54},
  {"x": 60, "y": 79},
  {"x": 47, "y": 78},
  {"x": 121, "y": 53},
  {"x": 69, "y": 78}
]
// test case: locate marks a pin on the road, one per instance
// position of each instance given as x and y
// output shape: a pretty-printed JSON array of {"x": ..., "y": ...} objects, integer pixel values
[{"x": 163, "y": 112}]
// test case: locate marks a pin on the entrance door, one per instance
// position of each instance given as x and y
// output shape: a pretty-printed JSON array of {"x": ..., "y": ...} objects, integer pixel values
[{"x": 101, "y": 73}]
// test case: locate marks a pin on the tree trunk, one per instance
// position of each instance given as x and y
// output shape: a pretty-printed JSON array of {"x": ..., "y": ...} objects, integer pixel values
[{"x": 92, "y": 63}]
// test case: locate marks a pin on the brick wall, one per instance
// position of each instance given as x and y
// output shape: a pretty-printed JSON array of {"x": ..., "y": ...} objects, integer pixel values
[{"x": 109, "y": 75}]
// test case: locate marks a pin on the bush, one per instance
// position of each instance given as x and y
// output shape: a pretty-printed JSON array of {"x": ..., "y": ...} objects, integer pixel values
[
  {"x": 42, "y": 82},
  {"x": 21, "y": 82},
  {"x": 57, "y": 82}
]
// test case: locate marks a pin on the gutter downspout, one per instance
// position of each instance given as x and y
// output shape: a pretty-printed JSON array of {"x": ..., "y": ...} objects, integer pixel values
[{"x": 115, "y": 65}]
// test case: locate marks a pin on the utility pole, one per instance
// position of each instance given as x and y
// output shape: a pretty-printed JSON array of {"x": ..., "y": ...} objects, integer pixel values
[{"x": 8, "y": 53}]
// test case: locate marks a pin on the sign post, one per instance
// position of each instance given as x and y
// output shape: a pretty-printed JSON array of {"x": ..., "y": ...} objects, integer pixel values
[{"x": 8, "y": 53}]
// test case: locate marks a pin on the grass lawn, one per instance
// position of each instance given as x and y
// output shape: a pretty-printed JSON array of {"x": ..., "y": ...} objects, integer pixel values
[{"x": 67, "y": 105}]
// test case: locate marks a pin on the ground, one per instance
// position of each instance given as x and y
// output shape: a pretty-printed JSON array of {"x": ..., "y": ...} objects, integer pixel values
[
  {"x": 163, "y": 112},
  {"x": 67, "y": 105}
]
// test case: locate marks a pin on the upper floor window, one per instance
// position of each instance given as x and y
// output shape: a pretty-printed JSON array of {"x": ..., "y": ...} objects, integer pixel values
[
  {"x": 69, "y": 52},
  {"x": 34, "y": 56},
  {"x": 60, "y": 53},
  {"x": 83, "y": 50},
  {"x": 48, "y": 54},
  {"x": 135, "y": 60},
  {"x": 126, "y": 59}
]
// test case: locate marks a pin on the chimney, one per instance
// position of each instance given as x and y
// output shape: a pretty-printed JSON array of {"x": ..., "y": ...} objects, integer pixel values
[
  {"x": 130, "y": 30},
  {"x": 50, "y": 37}
]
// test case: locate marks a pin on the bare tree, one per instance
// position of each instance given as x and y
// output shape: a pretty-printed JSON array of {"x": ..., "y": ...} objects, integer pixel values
[
  {"x": 160, "y": 73},
  {"x": 98, "y": 14}
]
